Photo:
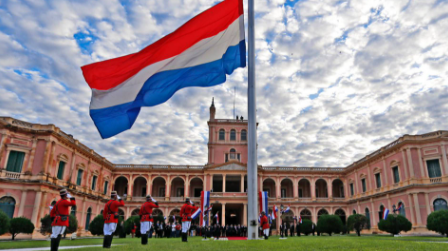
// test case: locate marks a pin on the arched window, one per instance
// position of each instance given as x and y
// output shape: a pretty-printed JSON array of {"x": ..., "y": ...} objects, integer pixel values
[
  {"x": 368, "y": 218},
  {"x": 354, "y": 211},
  {"x": 8, "y": 205},
  {"x": 232, "y": 153},
  {"x": 440, "y": 204},
  {"x": 321, "y": 212},
  {"x": 381, "y": 212},
  {"x": 222, "y": 134},
  {"x": 89, "y": 214},
  {"x": 402, "y": 209},
  {"x": 232, "y": 134},
  {"x": 243, "y": 135},
  {"x": 305, "y": 214}
]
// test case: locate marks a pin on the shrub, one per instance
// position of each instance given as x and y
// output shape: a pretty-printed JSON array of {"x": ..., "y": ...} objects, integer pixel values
[
  {"x": 329, "y": 224},
  {"x": 438, "y": 221},
  {"x": 128, "y": 225},
  {"x": 120, "y": 231},
  {"x": 306, "y": 227},
  {"x": 4, "y": 223},
  {"x": 356, "y": 222},
  {"x": 96, "y": 225},
  {"x": 20, "y": 225},
  {"x": 394, "y": 224},
  {"x": 73, "y": 224},
  {"x": 46, "y": 225}
]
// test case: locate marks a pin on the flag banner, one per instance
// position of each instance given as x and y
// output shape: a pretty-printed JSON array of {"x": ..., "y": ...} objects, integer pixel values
[
  {"x": 270, "y": 219},
  {"x": 385, "y": 213},
  {"x": 196, "y": 214},
  {"x": 286, "y": 210},
  {"x": 263, "y": 202},
  {"x": 199, "y": 53},
  {"x": 274, "y": 212},
  {"x": 399, "y": 207},
  {"x": 204, "y": 207},
  {"x": 217, "y": 218}
]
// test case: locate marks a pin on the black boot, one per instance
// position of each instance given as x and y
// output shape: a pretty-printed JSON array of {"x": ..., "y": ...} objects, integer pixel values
[
  {"x": 265, "y": 237},
  {"x": 105, "y": 239},
  {"x": 144, "y": 239},
  {"x": 54, "y": 244},
  {"x": 110, "y": 240}
]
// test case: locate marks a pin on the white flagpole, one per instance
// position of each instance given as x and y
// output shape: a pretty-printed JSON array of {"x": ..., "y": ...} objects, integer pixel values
[{"x": 252, "y": 222}]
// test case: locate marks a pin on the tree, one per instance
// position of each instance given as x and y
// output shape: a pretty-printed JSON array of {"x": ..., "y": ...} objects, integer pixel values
[
  {"x": 4, "y": 222},
  {"x": 72, "y": 224},
  {"x": 306, "y": 227},
  {"x": 20, "y": 225},
  {"x": 96, "y": 225},
  {"x": 438, "y": 221},
  {"x": 394, "y": 224},
  {"x": 329, "y": 224},
  {"x": 120, "y": 231},
  {"x": 356, "y": 222},
  {"x": 129, "y": 223}
]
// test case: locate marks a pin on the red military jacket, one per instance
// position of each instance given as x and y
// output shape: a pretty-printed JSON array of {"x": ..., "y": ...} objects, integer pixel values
[
  {"x": 186, "y": 210},
  {"x": 110, "y": 210},
  {"x": 61, "y": 209},
  {"x": 264, "y": 222},
  {"x": 146, "y": 211}
]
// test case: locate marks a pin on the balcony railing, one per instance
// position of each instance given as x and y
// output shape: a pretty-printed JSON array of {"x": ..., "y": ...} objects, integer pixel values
[
  {"x": 435, "y": 180},
  {"x": 11, "y": 175}
]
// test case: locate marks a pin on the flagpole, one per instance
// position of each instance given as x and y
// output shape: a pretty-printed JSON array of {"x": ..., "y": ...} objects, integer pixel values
[{"x": 252, "y": 226}]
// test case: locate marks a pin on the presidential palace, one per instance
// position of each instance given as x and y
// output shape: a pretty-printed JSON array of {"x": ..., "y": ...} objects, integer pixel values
[{"x": 37, "y": 160}]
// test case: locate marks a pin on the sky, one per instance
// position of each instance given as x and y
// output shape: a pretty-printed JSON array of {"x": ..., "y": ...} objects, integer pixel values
[{"x": 336, "y": 80}]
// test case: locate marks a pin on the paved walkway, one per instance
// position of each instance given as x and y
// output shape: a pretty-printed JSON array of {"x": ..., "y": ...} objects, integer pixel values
[{"x": 60, "y": 248}]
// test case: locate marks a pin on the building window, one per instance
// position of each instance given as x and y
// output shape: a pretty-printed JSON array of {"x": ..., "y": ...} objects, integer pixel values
[
  {"x": 222, "y": 134},
  {"x": 15, "y": 161},
  {"x": 378, "y": 180},
  {"x": 283, "y": 190},
  {"x": 232, "y": 153},
  {"x": 89, "y": 214},
  {"x": 433, "y": 168},
  {"x": 8, "y": 205},
  {"x": 363, "y": 183},
  {"x": 396, "y": 174},
  {"x": 243, "y": 135},
  {"x": 368, "y": 218},
  {"x": 106, "y": 184},
  {"x": 79, "y": 178},
  {"x": 61, "y": 170},
  {"x": 94, "y": 182},
  {"x": 352, "y": 191},
  {"x": 227, "y": 157},
  {"x": 232, "y": 134},
  {"x": 162, "y": 192},
  {"x": 440, "y": 204},
  {"x": 381, "y": 212},
  {"x": 238, "y": 156}
]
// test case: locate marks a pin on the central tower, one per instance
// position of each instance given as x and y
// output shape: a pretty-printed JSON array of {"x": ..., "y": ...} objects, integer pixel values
[{"x": 227, "y": 139}]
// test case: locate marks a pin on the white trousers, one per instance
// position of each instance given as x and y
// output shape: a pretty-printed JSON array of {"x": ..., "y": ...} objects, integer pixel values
[
  {"x": 185, "y": 226},
  {"x": 57, "y": 230},
  {"x": 109, "y": 228},
  {"x": 145, "y": 226},
  {"x": 266, "y": 232}
]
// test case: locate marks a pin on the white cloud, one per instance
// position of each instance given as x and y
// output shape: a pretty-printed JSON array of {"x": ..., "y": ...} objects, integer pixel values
[{"x": 336, "y": 80}]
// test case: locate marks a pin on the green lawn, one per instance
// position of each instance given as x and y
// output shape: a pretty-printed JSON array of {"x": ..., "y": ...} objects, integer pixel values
[{"x": 345, "y": 243}]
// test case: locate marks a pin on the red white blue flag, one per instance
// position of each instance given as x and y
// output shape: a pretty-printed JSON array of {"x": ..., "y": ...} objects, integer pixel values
[
  {"x": 200, "y": 53},
  {"x": 263, "y": 201},
  {"x": 274, "y": 212},
  {"x": 217, "y": 218},
  {"x": 205, "y": 207},
  {"x": 286, "y": 210}
]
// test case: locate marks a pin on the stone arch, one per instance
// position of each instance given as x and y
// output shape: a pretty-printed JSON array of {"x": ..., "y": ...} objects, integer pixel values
[
  {"x": 196, "y": 185},
  {"x": 177, "y": 187},
  {"x": 8, "y": 205},
  {"x": 321, "y": 188},
  {"x": 337, "y": 187},
  {"x": 135, "y": 212},
  {"x": 158, "y": 187},
  {"x": 321, "y": 212},
  {"x": 269, "y": 185},
  {"x": 139, "y": 187},
  {"x": 304, "y": 188},
  {"x": 367, "y": 214},
  {"x": 286, "y": 188},
  {"x": 341, "y": 213},
  {"x": 306, "y": 214},
  {"x": 121, "y": 185}
]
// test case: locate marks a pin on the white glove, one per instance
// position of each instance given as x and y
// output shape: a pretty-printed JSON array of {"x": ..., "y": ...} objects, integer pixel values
[
  {"x": 69, "y": 196},
  {"x": 51, "y": 208},
  {"x": 118, "y": 197}
]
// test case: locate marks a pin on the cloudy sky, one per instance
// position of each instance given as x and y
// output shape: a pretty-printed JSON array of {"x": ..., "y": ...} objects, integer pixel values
[{"x": 336, "y": 80}]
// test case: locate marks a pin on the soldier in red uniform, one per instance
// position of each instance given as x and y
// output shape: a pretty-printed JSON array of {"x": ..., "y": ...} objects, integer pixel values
[
  {"x": 264, "y": 223},
  {"x": 59, "y": 216},
  {"x": 185, "y": 212},
  {"x": 146, "y": 218},
  {"x": 110, "y": 214}
]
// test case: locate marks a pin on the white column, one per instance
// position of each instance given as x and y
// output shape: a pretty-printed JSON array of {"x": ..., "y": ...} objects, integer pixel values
[
  {"x": 224, "y": 183},
  {"x": 223, "y": 220},
  {"x": 22, "y": 203},
  {"x": 411, "y": 165},
  {"x": 445, "y": 162}
]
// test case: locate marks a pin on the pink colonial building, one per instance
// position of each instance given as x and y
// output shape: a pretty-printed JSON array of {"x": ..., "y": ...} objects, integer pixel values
[{"x": 37, "y": 160}]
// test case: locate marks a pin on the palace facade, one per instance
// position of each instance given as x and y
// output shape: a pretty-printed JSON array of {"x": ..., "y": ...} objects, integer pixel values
[{"x": 37, "y": 160}]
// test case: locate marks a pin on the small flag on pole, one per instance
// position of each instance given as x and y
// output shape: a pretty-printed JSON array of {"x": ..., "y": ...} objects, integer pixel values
[
  {"x": 274, "y": 212},
  {"x": 204, "y": 207},
  {"x": 217, "y": 218},
  {"x": 385, "y": 213},
  {"x": 196, "y": 214},
  {"x": 263, "y": 201},
  {"x": 286, "y": 210}
]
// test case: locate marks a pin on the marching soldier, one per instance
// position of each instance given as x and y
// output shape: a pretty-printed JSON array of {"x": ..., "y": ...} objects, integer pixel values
[
  {"x": 264, "y": 225},
  {"x": 60, "y": 218},
  {"x": 146, "y": 218},
  {"x": 110, "y": 214},
  {"x": 185, "y": 213}
]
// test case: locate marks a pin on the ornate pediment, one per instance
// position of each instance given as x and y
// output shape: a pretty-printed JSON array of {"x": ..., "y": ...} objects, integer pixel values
[{"x": 229, "y": 166}]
